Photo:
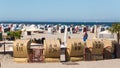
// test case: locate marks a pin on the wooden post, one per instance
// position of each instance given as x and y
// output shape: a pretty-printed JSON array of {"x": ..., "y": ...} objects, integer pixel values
[
  {"x": 4, "y": 38},
  {"x": 4, "y": 48}
]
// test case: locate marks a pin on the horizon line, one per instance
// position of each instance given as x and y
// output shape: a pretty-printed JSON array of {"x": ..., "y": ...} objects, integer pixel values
[{"x": 63, "y": 21}]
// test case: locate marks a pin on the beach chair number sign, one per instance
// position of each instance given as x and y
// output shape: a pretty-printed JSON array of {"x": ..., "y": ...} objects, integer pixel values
[
  {"x": 98, "y": 44},
  {"x": 76, "y": 46},
  {"x": 52, "y": 49},
  {"x": 19, "y": 47}
]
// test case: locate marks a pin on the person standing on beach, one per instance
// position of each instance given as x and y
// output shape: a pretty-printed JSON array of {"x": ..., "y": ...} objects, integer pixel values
[{"x": 85, "y": 35}]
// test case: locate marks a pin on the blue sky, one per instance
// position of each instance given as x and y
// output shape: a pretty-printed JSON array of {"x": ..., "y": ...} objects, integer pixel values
[{"x": 60, "y": 10}]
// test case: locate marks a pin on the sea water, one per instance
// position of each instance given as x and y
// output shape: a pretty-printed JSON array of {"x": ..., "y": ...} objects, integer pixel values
[{"x": 64, "y": 23}]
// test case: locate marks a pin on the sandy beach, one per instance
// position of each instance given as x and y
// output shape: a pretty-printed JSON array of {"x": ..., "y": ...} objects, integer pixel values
[
  {"x": 60, "y": 35},
  {"x": 7, "y": 62}
]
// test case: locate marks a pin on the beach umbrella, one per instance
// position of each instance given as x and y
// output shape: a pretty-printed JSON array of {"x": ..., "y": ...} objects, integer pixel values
[
  {"x": 105, "y": 34},
  {"x": 24, "y": 29},
  {"x": 95, "y": 31}
]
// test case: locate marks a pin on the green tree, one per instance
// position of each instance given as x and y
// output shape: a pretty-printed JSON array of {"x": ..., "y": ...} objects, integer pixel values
[
  {"x": 115, "y": 28},
  {"x": 16, "y": 34}
]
